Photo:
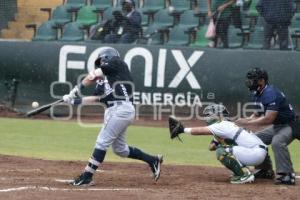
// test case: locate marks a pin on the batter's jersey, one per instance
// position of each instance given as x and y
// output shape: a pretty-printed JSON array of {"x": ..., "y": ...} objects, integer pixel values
[
  {"x": 117, "y": 84},
  {"x": 273, "y": 99},
  {"x": 228, "y": 130}
]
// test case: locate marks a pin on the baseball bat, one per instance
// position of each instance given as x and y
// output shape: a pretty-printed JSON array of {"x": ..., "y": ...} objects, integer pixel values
[{"x": 43, "y": 108}]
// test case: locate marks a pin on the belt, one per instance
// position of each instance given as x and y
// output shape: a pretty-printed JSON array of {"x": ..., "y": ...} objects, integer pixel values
[
  {"x": 237, "y": 134},
  {"x": 263, "y": 147},
  {"x": 116, "y": 103}
]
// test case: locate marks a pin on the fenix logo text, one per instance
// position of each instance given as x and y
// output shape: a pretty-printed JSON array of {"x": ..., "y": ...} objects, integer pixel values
[{"x": 184, "y": 63}]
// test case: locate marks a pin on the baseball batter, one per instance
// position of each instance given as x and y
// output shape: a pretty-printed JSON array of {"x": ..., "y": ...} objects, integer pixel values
[
  {"x": 235, "y": 147},
  {"x": 114, "y": 87}
]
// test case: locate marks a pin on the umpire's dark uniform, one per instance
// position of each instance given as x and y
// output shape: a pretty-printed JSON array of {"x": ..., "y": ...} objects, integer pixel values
[{"x": 281, "y": 133}]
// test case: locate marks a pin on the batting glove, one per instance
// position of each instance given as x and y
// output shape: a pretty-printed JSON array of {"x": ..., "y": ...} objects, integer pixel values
[
  {"x": 74, "y": 92},
  {"x": 68, "y": 99}
]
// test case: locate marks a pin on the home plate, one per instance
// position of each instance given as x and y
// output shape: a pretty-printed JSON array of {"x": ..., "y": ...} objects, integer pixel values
[{"x": 64, "y": 181}]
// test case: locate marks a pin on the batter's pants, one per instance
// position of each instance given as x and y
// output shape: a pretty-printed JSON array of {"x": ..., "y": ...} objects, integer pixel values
[{"x": 113, "y": 133}]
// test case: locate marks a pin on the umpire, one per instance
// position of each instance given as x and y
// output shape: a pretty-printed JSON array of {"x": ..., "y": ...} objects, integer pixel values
[{"x": 284, "y": 124}]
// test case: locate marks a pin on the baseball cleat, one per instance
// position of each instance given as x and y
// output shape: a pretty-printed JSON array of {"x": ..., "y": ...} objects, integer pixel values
[
  {"x": 285, "y": 179},
  {"x": 156, "y": 167},
  {"x": 246, "y": 178},
  {"x": 84, "y": 179}
]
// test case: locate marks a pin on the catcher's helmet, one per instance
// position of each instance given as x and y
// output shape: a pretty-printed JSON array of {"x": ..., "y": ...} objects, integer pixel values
[
  {"x": 253, "y": 76},
  {"x": 105, "y": 55},
  {"x": 213, "y": 112}
]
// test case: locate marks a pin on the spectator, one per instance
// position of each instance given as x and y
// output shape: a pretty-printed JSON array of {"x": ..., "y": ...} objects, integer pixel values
[
  {"x": 100, "y": 30},
  {"x": 277, "y": 15},
  {"x": 221, "y": 11},
  {"x": 236, "y": 15},
  {"x": 126, "y": 25}
]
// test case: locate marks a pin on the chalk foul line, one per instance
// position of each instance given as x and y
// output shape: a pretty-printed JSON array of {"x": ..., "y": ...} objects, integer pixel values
[{"x": 25, "y": 188}]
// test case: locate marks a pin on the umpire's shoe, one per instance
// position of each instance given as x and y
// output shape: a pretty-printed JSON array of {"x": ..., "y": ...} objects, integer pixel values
[
  {"x": 156, "y": 167},
  {"x": 84, "y": 179},
  {"x": 264, "y": 174},
  {"x": 285, "y": 179}
]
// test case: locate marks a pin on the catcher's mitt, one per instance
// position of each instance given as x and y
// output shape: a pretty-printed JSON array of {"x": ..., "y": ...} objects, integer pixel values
[{"x": 175, "y": 127}]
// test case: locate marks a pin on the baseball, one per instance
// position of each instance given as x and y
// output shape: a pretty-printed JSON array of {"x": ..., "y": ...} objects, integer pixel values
[{"x": 35, "y": 104}]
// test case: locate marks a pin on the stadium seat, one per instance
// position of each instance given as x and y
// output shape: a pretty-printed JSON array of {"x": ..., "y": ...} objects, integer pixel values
[
  {"x": 45, "y": 32},
  {"x": 101, "y": 5},
  {"x": 163, "y": 20},
  {"x": 259, "y": 22},
  {"x": 295, "y": 25},
  {"x": 296, "y": 41},
  {"x": 188, "y": 20},
  {"x": 118, "y": 3},
  {"x": 60, "y": 16},
  {"x": 252, "y": 12},
  {"x": 145, "y": 18},
  {"x": 256, "y": 39},
  {"x": 74, "y": 5},
  {"x": 202, "y": 7},
  {"x": 153, "y": 6},
  {"x": 247, "y": 22},
  {"x": 179, "y": 6},
  {"x": 107, "y": 14},
  {"x": 72, "y": 32},
  {"x": 295, "y": 32},
  {"x": 87, "y": 16},
  {"x": 153, "y": 36},
  {"x": 200, "y": 40},
  {"x": 178, "y": 37},
  {"x": 246, "y": 4},
  {"x": 235, "y": 37}
]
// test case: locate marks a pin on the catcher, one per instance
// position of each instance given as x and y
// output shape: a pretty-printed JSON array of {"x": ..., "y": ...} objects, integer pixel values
[{"x": 235, "y": 147}]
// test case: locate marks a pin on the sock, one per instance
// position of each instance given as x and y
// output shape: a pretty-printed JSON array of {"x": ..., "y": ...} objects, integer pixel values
[
  {"x": 94, "y": 162},
  {"x": 136, "y": 153}
]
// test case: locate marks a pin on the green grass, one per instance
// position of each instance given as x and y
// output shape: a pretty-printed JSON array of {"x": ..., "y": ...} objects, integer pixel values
[{"x": 58, "y": 140}]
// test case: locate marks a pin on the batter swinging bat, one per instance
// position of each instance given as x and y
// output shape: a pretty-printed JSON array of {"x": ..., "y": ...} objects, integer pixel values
[{"x": 43, "y": 108}]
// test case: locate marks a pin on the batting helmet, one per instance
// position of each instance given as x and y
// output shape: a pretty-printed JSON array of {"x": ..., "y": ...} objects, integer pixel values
[
  {"x": 253, "y": 76},
  {"x": 213, "y": 112},
  {"x": 105, "y": 55}
]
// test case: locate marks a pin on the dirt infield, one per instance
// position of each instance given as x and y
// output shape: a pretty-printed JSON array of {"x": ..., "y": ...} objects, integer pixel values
[{"x": 25, "y": 178}]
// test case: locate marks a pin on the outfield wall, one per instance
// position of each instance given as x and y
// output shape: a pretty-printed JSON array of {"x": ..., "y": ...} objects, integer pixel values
[{"x": 162, "y": 74}]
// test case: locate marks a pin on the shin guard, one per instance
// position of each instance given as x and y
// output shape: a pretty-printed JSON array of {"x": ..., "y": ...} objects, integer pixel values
[{"x": 228, "y": 160}]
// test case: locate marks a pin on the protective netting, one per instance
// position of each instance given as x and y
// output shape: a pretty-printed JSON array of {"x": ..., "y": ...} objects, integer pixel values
[
  {"x": 7, "y": 10},
  {"x": 237, "y": 24}
]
